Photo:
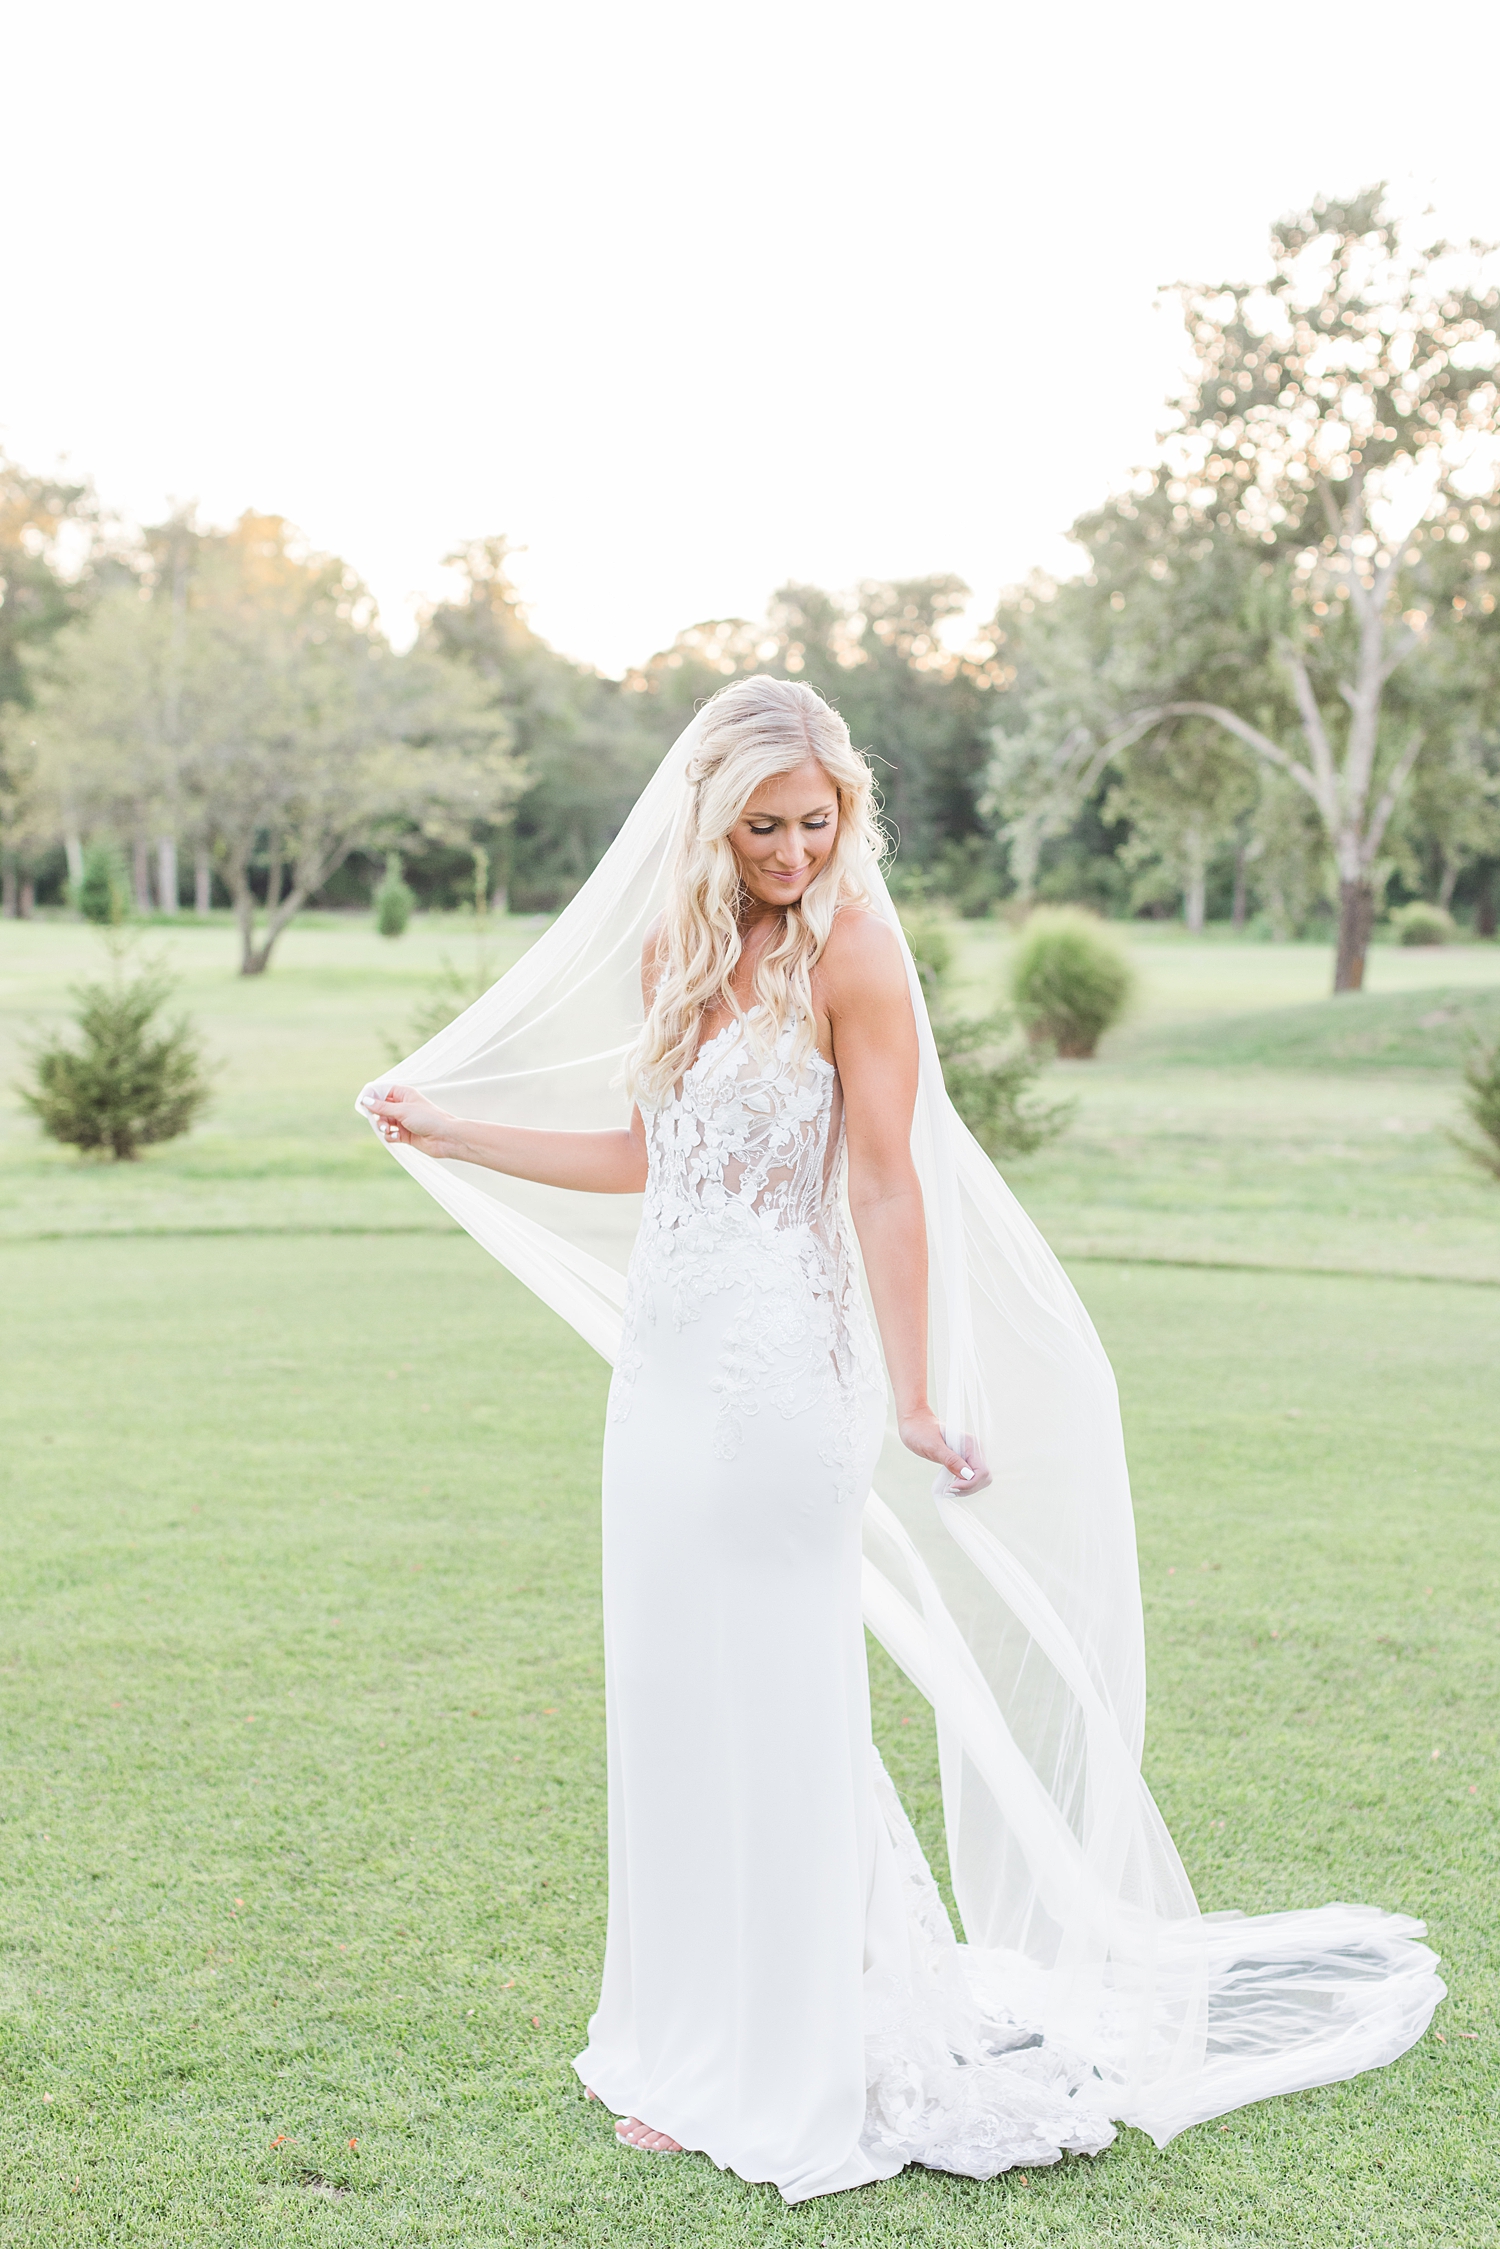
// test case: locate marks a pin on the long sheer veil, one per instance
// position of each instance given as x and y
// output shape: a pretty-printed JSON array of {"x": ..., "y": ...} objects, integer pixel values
[{"x": 1017, "y": 1612}]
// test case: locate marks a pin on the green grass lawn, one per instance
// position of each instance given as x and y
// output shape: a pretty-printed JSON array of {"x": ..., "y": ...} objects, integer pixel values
[
  {"x": 304, "y": 1821},
  {"x": 302, "y": 1835}
]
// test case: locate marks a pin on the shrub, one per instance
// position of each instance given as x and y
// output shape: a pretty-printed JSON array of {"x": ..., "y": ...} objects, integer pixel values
[
  {"x": 989, "y": 1071},
  {"x": 1482, "y": 1100},
  {"x": 129, "y": 1084},
  {"x": 394, "y": 899},
  {"x": 103, "y": 895},
  {"x": 1069, "y": 980},
  {"x": 1421, "y": 924},
  {"x": 991, "y": 1075}
]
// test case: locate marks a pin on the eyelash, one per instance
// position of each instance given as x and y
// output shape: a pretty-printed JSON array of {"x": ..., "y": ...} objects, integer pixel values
[{"x": 817, "y": 827}]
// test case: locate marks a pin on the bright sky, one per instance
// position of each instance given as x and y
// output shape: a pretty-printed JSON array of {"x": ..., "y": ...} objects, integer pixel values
[{"x": 686, "y": 297}]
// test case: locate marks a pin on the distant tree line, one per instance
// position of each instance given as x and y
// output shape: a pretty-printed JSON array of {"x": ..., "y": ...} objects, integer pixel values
[{"x": 1272, "y": 691}]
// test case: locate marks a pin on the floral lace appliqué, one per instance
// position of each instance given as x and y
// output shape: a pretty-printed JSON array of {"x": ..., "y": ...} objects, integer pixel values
[{"x": 743, "y": 1193}]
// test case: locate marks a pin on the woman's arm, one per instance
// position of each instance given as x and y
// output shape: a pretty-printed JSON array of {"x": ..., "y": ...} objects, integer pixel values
[
  {"x": 863, "y": 986},
  {"x": 602, "y": 1163}
]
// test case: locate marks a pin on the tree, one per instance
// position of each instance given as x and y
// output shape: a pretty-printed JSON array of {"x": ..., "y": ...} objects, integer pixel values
[
  {"x": 922, "y": 707},
  {"x": 586, "y": 746},
  {"x": 104, "y": 762},
  {"x": 256, "y": 694},
  {"x": 129, "y": 1083},
  {"x": 1343, "y": 418},
  {"x": 38, "y": 596}
]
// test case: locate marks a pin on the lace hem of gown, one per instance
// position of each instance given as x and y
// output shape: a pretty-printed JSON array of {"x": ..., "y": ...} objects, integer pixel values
[{"x": 955, "y": 2084}]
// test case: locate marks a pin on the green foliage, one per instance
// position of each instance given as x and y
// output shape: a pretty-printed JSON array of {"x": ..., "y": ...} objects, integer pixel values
[
  {"x": 1482, "y": 1101},
  {"x": 128, "y": 1084},
  {"x": 1236, "y": 609},
  {"x": 394, "y": 899},
  {"x": 103, "y": 896},
  {"x": 989, "y": 1070},
  {"x": 991, "y": 1073},
  {"x": 931, "y": 947},
  {"x": 922, "y": 710},
  {"x": 585, "y": 745},
  {"x": 239, "y": 686},
  {"x": 1070, "y": 980},
  {"x": 1421, "y": 924}
]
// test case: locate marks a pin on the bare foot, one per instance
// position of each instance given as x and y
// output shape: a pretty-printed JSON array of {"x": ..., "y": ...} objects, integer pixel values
[{"x": 631, "y": 2132}]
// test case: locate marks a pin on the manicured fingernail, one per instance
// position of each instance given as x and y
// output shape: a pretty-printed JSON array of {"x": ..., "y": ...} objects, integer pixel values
[{"x": 966, "y": 1474}]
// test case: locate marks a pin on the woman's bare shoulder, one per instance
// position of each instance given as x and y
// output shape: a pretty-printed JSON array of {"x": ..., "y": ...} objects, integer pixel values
[{"x": 862, "y": 958}]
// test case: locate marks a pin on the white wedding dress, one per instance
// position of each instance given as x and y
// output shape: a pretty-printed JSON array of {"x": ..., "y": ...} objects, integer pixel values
[{"x": 782, "y": 1989}]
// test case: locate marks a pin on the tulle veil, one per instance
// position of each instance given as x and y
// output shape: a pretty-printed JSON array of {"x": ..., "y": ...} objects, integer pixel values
[{"x": 1017, "y": 1613}]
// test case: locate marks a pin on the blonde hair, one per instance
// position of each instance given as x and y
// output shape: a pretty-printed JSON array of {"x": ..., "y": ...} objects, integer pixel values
[{"x": 748, "y": 733}]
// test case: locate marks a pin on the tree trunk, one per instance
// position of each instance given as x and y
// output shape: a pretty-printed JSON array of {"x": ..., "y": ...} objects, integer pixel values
[
  {"x": 237, "y": 875},
  {"x": 28, "y": 897},
  {"x": 10, "y": 904},
  {"x": 1356, "y": 920},
  {"x": 140, "y": 865},
  {"x": 203, "y": 882},
  {"x": 1239, "y": 909},
  {"x": 1449, "y": 878},
  {"x": 1195, "y": 891},
  {"x": 166, "y": 874},
  {"x": 1487, "y": 910},
  {"x": 73, "y": 850}
]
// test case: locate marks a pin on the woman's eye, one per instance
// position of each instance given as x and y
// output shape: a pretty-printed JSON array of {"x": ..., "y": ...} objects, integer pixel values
[
  {"x": 816, "y": 823},
  {"x": 762, "y": 831}
]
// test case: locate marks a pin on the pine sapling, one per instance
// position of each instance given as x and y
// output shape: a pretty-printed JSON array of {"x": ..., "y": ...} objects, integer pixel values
[{"x": 129, "y": 1082}]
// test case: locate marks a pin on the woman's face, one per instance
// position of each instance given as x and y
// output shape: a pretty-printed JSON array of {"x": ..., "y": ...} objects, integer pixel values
[{"x": 785, "y": 833}]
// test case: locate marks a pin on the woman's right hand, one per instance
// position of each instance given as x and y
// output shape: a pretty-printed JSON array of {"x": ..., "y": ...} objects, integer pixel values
[{"x": 408, "y": 1119}]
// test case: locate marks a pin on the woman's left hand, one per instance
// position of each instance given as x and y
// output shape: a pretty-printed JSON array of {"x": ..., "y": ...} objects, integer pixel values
[{"x": 922, "y": 1433}]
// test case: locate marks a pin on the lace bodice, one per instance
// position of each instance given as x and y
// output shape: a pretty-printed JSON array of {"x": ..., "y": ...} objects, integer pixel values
[
  {"x": 744, "y": 1194},
  {"x": 746, "y": 1140}
]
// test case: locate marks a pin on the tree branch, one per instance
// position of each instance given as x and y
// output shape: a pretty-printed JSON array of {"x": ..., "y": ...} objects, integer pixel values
[
  {"x": 1325, "y": 789},
  {"x": 1252, "y": 736},
  {"x": 1400, "y": 775}
]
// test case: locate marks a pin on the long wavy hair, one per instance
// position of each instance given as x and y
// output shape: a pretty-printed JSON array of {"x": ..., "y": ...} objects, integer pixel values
[{"x": 748, "y": 733}]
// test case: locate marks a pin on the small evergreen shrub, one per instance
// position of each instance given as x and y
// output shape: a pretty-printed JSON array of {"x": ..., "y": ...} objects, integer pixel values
[
  {"x": 1421, "y": 924},
  {"x": 1482, "y": 1100},
  {"x": 394, "y": 899},
  {"x": 991, "y": 1075},
  {"x": 103, "y": 895},
  {"x": 129, "y": 1083},
  {"x": 1069, "y": 980}
]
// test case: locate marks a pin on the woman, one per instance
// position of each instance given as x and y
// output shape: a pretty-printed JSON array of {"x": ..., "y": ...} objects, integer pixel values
[{"x": 781, "y": 1988}]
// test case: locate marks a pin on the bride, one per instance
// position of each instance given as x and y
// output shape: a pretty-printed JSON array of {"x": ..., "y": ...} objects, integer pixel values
[{"x": 782, "y": 1989}]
